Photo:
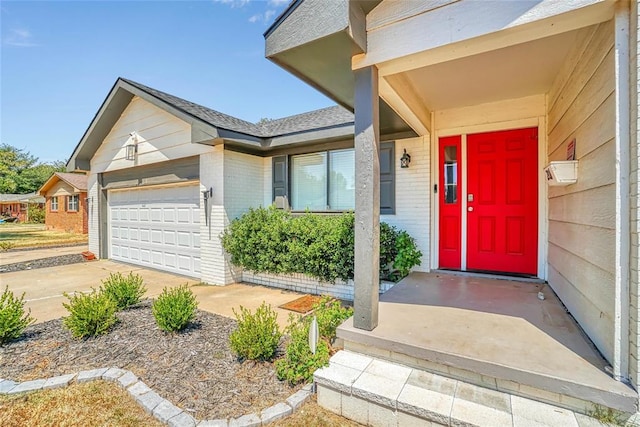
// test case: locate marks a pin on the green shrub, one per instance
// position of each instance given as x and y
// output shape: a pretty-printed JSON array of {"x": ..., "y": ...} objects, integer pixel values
[
  {"x": 298, "y": 363},
  {"x": 258, "y": 335},
  {"x": 89, "y": 314},
  {"x": 13, "y": 319},
  {"x": 35, "y": 214},
  {"x": 330, "y": 314},
  {"x": 407, "y": 254},
  {"x": 123, "y": 291},
  {"x": 6, "y": 245},
  {"x": 174, "y": 308},
  {"x": 321, "y": 246}
]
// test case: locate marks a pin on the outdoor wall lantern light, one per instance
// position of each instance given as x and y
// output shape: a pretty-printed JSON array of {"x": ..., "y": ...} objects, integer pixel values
[
  {"x": 132, "y": 148},
  {"x": 405, "y": 159}
]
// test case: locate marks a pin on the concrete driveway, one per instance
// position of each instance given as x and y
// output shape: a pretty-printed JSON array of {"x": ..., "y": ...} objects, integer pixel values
[
  {"x": 33, "y": 254},
  {"x": 43, "y": 288}
]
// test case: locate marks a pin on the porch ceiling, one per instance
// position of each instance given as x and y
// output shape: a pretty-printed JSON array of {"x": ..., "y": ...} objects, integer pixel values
[{"x": 512, "y": 72}]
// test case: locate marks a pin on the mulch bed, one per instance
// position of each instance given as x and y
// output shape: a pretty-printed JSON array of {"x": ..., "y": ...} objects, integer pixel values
[
  {"x": 194, "y": 369},
  {"x": 43, "y": 263}
]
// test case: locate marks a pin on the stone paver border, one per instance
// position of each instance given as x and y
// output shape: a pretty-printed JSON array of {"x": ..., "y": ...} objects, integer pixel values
[{"x": 154, "y": 404}]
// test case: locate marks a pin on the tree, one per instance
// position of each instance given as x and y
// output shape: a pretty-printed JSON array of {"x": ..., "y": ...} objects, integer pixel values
[{"x": 20, "y": 172}]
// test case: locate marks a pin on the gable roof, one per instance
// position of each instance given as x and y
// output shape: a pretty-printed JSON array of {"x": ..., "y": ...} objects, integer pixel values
[
  {"x": 208, "y": 126},
  {"x": 76, "y": 180},
  {"x": 325, "y": 117}
]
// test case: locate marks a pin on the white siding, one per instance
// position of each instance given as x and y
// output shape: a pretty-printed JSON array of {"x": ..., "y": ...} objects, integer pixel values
[
  {"x": 243, "y": 183},
  {"x": 490, "y": 116},
  {"x": 93, "y": 209},
  {"x": 634, "y": 327},
  {"x": 396, "y": 30},
  {"x": 215, "y": 269},
  {"x": 237, "y": 182},
  {"x": 581, "y": 260},
  {"x": 413, "y": 195},
  {"x": 162, "y": 136}
]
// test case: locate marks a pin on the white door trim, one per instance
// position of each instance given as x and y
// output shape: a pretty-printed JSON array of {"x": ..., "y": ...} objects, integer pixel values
[{"x": 543, "y": 223}]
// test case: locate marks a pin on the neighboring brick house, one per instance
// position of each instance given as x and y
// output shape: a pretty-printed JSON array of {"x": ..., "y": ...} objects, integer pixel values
[
  {"x": 17, "y": 205},
  {"x": 66, "y": 206}
]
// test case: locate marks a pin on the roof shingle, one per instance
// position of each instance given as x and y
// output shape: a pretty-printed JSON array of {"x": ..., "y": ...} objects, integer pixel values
[{"x": 318, "y": 119}]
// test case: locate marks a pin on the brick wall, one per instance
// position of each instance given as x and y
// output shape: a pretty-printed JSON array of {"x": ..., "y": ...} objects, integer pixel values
[
  {"x": 302, "y": 283},
  {"x": 69, "y": 221}
]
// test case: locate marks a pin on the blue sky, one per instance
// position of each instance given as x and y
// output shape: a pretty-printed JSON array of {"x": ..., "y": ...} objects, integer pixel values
[{"x": 59, "y": 60}]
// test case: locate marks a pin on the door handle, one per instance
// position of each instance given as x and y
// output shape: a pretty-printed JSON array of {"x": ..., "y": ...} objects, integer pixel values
[{"x": 470, "y": 208}]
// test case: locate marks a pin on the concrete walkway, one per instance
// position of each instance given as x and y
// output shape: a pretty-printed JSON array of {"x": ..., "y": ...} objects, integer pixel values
[
  {"x": 43, "y": 288},
  {"x": 33, "y": 254}
]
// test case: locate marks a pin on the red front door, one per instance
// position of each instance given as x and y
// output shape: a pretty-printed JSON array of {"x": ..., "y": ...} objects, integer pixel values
[
  {"x": 449, "y": 202},
  {"x": 502, "y": 201}
]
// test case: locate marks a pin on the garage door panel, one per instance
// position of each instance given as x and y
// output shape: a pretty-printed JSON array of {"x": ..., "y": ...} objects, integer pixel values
[
  {"x": 156, "y": 214},
  {"x": 157, "y": 227}
]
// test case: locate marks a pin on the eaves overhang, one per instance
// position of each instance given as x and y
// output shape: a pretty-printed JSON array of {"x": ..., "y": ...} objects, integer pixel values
[{"x": 315, "y": 41}]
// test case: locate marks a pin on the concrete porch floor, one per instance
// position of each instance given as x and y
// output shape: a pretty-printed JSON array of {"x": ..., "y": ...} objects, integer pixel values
[{"x": 497, "y": 330}]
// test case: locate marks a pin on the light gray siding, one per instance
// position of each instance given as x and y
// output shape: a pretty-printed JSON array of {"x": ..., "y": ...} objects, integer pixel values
[{"x": 582, "y": 235}]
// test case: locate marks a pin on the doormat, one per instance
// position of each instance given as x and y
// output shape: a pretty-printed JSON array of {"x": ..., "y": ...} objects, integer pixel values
[{"x": 303, "y": 304}]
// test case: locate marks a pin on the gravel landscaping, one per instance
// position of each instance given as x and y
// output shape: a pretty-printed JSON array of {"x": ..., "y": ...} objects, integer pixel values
[
  {"x": 194, "y": 369},
  {"x": 42, "y": 263}
]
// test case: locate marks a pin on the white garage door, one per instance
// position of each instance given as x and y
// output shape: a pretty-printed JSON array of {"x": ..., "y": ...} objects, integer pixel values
[{"x": 156, "y": 227}]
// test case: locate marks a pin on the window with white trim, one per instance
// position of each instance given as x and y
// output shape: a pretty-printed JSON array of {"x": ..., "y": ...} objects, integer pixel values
[
  {"x": 54, "y": 204},
  {"x": 323, "y": 181},
  {"x": 72, "y": 203}
]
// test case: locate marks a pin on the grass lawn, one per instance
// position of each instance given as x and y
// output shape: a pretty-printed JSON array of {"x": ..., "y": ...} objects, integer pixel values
[
  {"x": 100, "y": 403},
  {"x": 35, "y": 235},
  {"x": 95, "y": 403}
]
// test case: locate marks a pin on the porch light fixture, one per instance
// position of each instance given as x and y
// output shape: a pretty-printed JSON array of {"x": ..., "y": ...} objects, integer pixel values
[
  {"x": 405, "y": 159},
  {"x": 132, "y": 148}
]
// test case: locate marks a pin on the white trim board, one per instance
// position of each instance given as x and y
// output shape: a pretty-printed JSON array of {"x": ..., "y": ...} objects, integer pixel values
[{"x": 540, "y": 123}]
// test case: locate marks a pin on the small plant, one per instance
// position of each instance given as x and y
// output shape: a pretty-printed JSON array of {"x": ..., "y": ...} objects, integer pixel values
[
  {"x": 330, "y": 314},
  {"x": 123, "y": 291},
  {"x": 258, "y": 335},
  {"x": 174, "y": 308},
  {"x": 6, "y": 245},
  {"x": 298, "y": 363},
  {"x": 89, "y": 314},
  {"x": 606, "y": 416},
  {"x": 13, "y": 319}
]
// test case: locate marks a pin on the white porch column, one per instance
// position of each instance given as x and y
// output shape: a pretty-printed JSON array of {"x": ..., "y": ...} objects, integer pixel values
[
  {"x": 622, "y": 299},
  {"x": 634, "y": 199},
  {"x": 367, "y": 215}
]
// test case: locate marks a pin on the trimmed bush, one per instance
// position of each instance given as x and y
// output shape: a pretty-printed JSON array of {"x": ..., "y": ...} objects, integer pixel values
[
  {"x": 321, "y": 246},
  {"x": 13, "y": 319},
  {"x": 35, "y": 214},
  {"x": 330, "y": 314},
  {"x": 89, "y": 314},
  {"x": 123, "y": 291},
  {"x": 174, "y": 308},
  {"x": 298, "y": 363},
  {"x": 258, "y": 335}
]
